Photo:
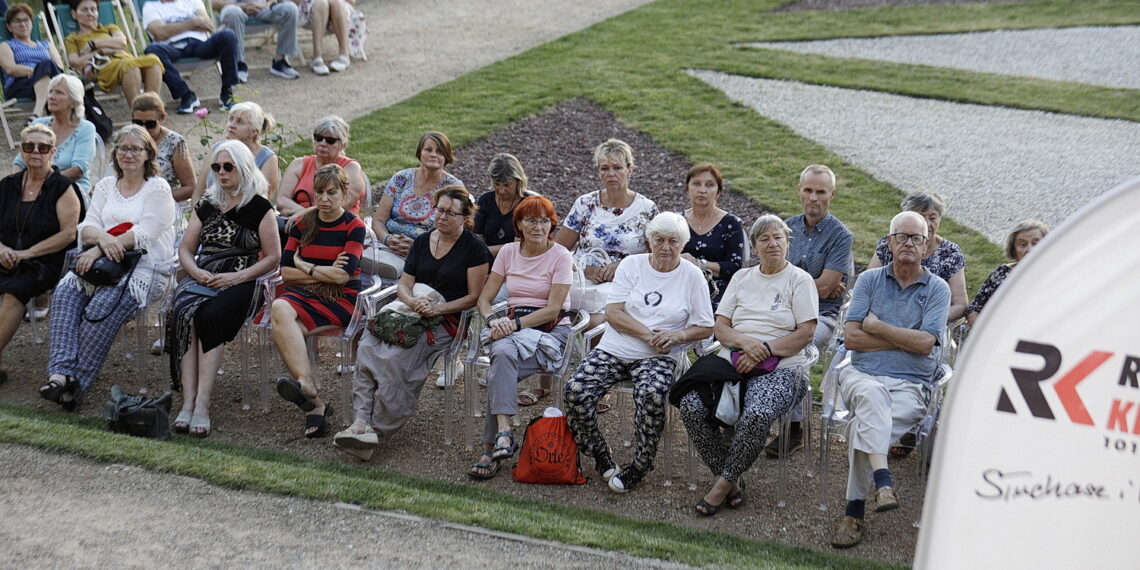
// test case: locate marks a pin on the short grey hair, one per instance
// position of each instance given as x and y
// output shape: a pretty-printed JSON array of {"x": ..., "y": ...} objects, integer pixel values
[
  {"x": 504, "y": 168},
  {"x": 1023, "y": 226},
  {"x": 924, "y": 202},
  {"x": 914, "y": 215},
  {"x": 613, "y": 147},
  {"x": 333, "y": 125},
  {"x": 256, "y": 116},
  {"x": 816, "y": 170},
  {"x": 764, "y": 222},
  {"x": 251, "y": 180},
  {"x": 74, "y": 88},
  {"x": 668, "y": 224}
]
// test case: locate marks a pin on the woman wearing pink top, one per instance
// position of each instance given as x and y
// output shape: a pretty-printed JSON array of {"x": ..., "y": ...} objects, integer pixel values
[{"x": 538, "y": 275}]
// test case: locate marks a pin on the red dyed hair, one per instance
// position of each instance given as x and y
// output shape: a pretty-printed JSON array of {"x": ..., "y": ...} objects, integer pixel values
[{"x": 535, "y": 207}]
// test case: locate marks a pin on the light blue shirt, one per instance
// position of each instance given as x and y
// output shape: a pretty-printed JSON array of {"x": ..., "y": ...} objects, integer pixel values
[
  {"x": 77, "y": 150},
  {"x": 921, "y": 306}
]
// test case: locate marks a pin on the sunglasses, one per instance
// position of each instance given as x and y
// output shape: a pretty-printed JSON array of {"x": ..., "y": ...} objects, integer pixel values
[
  {"x": 324, "y": 139},
  {"x": 219, "y": 166},
  {"x": 36, "y": 148},
  {"x": 145, "y": 124}
]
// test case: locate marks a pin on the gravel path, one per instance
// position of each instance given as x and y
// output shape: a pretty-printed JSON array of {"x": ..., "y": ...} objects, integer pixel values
[
  {"x": 1096, "y": 55},
  {"x": 101, "y": 521},
  {"x": 994, "y": 165}
]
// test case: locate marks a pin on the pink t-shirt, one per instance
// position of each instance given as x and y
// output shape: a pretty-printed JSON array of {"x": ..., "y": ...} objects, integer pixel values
[{"x": 529, "y": 278}]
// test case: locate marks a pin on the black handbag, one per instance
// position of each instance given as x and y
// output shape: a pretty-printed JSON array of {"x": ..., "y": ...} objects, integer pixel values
[
  {"x": 138, "y": 416},
  {"x": 106, "y": 272}
]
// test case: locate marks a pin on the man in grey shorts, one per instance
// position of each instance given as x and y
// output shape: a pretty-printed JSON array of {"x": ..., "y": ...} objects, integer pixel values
[
  {"x": 821, "y": 246},
  {"x": 896, "y": 316}
]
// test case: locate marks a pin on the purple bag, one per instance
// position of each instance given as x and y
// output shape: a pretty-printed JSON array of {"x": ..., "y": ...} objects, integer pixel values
[{"x": 765, "y": 367}]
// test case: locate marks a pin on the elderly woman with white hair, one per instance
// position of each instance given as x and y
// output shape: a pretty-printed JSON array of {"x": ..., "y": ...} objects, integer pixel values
[
  {"x": 248, "y": 123},
  {"x": 330, "y": 139},
  {"x": 231, "y": 240},
  {"x": 657, "y": 306},
  {"x": 75, "y": 136},
  {"x": 765, "y": 319}
]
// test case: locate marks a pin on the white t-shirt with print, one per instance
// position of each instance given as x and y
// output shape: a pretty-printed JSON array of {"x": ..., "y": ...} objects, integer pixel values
[
  {"x": 768, "y": 307},
  {"x": 663, "y": 301}
]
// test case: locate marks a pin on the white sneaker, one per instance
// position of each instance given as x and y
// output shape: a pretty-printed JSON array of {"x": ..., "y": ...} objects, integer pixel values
[
  {"x": 341, "y": 63},
  {"x": 319, "y": 67}
]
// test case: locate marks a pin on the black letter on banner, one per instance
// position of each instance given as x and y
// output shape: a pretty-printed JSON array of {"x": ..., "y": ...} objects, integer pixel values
[
  {"x": 1129, "y": 371},
  {"x": 1029, "y": 381}
]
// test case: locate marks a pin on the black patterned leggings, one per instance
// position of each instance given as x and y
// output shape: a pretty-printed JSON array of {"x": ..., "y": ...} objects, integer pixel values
[
  {"x": 768, "y": 397},
  {"x": 651, "y": 378}
]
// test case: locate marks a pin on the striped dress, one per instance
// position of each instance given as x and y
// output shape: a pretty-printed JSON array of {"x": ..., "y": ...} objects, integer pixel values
[{"x": 343, "y": 235}]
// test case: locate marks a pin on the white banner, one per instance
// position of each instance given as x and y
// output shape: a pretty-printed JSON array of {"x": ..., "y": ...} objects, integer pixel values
[{"x": 1037, "y": 461}]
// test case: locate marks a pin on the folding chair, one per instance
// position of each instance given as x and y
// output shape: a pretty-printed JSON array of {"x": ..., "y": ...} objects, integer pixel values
[
  {"x": 18, "y": 110},
  {"x": 186, "y": 65}
]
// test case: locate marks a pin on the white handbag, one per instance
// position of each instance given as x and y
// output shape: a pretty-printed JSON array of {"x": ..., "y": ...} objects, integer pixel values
[{"x": 585, "y": 294}]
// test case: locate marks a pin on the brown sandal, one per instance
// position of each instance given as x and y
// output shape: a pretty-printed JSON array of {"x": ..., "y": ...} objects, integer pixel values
[{"x": 531, "y": 397}]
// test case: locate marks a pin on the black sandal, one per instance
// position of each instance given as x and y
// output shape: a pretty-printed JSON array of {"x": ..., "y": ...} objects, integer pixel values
[
  {"x": 709, "y": 509},
  {"x": 290, "y": 389},
  {"x": 503, "y": 452},
  {"x": 736, "y": 501},
  {"x": 491, "y": 469},
  {"x": 319, "y": 421},
  {"x": 55, "y": 389}
]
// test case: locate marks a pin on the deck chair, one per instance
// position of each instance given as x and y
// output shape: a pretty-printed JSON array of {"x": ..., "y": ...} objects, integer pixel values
[
  {"x": 265, "y": 31},
  {"x": 18, "y": 110},
  {"x": 186, "y": 65}
]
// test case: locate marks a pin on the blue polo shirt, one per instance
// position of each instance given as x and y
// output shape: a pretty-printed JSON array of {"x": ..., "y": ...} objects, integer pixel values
[
  {"x": 922, "y": 306},
  {"x": 826, "y": 246}
]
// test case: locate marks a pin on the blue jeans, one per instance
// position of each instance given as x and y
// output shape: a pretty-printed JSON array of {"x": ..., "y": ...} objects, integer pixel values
[{"x": 221, "y": 45}]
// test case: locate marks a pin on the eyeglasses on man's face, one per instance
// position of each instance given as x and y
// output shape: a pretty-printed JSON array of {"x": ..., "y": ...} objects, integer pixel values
[{"x": 916, "y": 239}]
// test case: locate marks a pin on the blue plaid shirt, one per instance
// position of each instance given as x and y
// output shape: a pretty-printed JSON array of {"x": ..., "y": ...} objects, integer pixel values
[{"x": 826, "y": 246}]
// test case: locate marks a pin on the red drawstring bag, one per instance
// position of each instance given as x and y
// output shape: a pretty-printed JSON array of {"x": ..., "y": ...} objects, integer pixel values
[{"x": 549, "y": 454}]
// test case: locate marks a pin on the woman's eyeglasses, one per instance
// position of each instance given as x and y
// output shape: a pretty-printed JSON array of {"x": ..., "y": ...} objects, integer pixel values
[
  {"x": 219, "y": 166},
  {"x": 325, "y": 139},
  {"x": 36, "y": 148},
  {"x": 449, "y": 214},
  {"x": 148, "y": 125},
  {"x": 536, "y": 221},
  {"x": 131, "y": 150}
]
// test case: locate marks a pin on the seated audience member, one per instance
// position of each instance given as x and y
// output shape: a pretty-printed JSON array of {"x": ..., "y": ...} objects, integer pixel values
[
  {"x": 452, "y": 263},
  {"x": 74, "y": 135},
  {"x": 657, "y": 306},
  {"x": 233, "y": 14},
  {"x": 39, "y": 211},
  {"x": 330, "y": 139},
  {"x": 181, "y": 28},
  {"x": 612, "y": 219},
  {"x": 943, "y": 257},
  {"x": 494, "y": 220},
  {"x": 717, "y": 246},
  {"x": 28, "y": 65},
  {"x": 100, "y": 54},
  {"x": 323, "y": 16},
  {"x": 895, "y": 320},
  {"x": 405, "y": 210},
  {"x": 764, "y": 321},
  {"x": 149, "y": 112},
  {"x": 1021, "y": 240},
  {"x": 131, "y": 209},
  {"x": 248, "y": 122},
  {"x": 231, "y": 241},
  {"x": 532, "y": 336},
  {"x": 321, "y": 271},
  {"x": 821, "y": 246}
]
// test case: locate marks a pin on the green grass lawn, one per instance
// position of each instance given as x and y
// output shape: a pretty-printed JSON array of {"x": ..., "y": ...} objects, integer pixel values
[{"x": 633, "y": 66}]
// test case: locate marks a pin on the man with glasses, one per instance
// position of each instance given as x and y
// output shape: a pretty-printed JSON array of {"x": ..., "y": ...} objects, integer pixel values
[
  {"x": 896, "y": 316},
  {"x": 820, "y": 245},
  {"x": 182, "y": 29}
]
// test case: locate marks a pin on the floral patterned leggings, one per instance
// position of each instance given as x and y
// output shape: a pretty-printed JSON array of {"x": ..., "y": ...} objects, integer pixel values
[
  {"x": 767, "y": 398},
  {"x": 651, "y": 378}
]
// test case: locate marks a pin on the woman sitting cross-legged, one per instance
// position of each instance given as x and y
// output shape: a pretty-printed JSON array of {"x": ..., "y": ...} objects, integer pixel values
[
  {"x": 531, "y": 338},
  {"x": 131, "y": 210},
  {"x": 321, "y": 269},
  {"x": 765, "y": 318},
  {"x": 231, "y": 227},
  {"x": 658, "y": 304},
  {"x": 449, "y": 266},
  {"x": 39, "y": 210}
]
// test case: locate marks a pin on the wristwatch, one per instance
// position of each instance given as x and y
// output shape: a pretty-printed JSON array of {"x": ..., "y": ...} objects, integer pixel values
[{"x": 704, "y": 264}]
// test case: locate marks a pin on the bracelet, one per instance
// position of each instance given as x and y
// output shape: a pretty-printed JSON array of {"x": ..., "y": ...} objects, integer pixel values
[
  {"x": 518, "y": 324},
  {"x": 385, "y": 240},
  {"x": 91, "y": 44},
  {"x": 312, "y": 268},
  {"x": 766, "y": 347},
  {"x": 704, "y": 264}
]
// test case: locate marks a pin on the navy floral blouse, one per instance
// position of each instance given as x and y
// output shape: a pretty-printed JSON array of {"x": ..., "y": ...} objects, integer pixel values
[{"x": 724, "y": 245}]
